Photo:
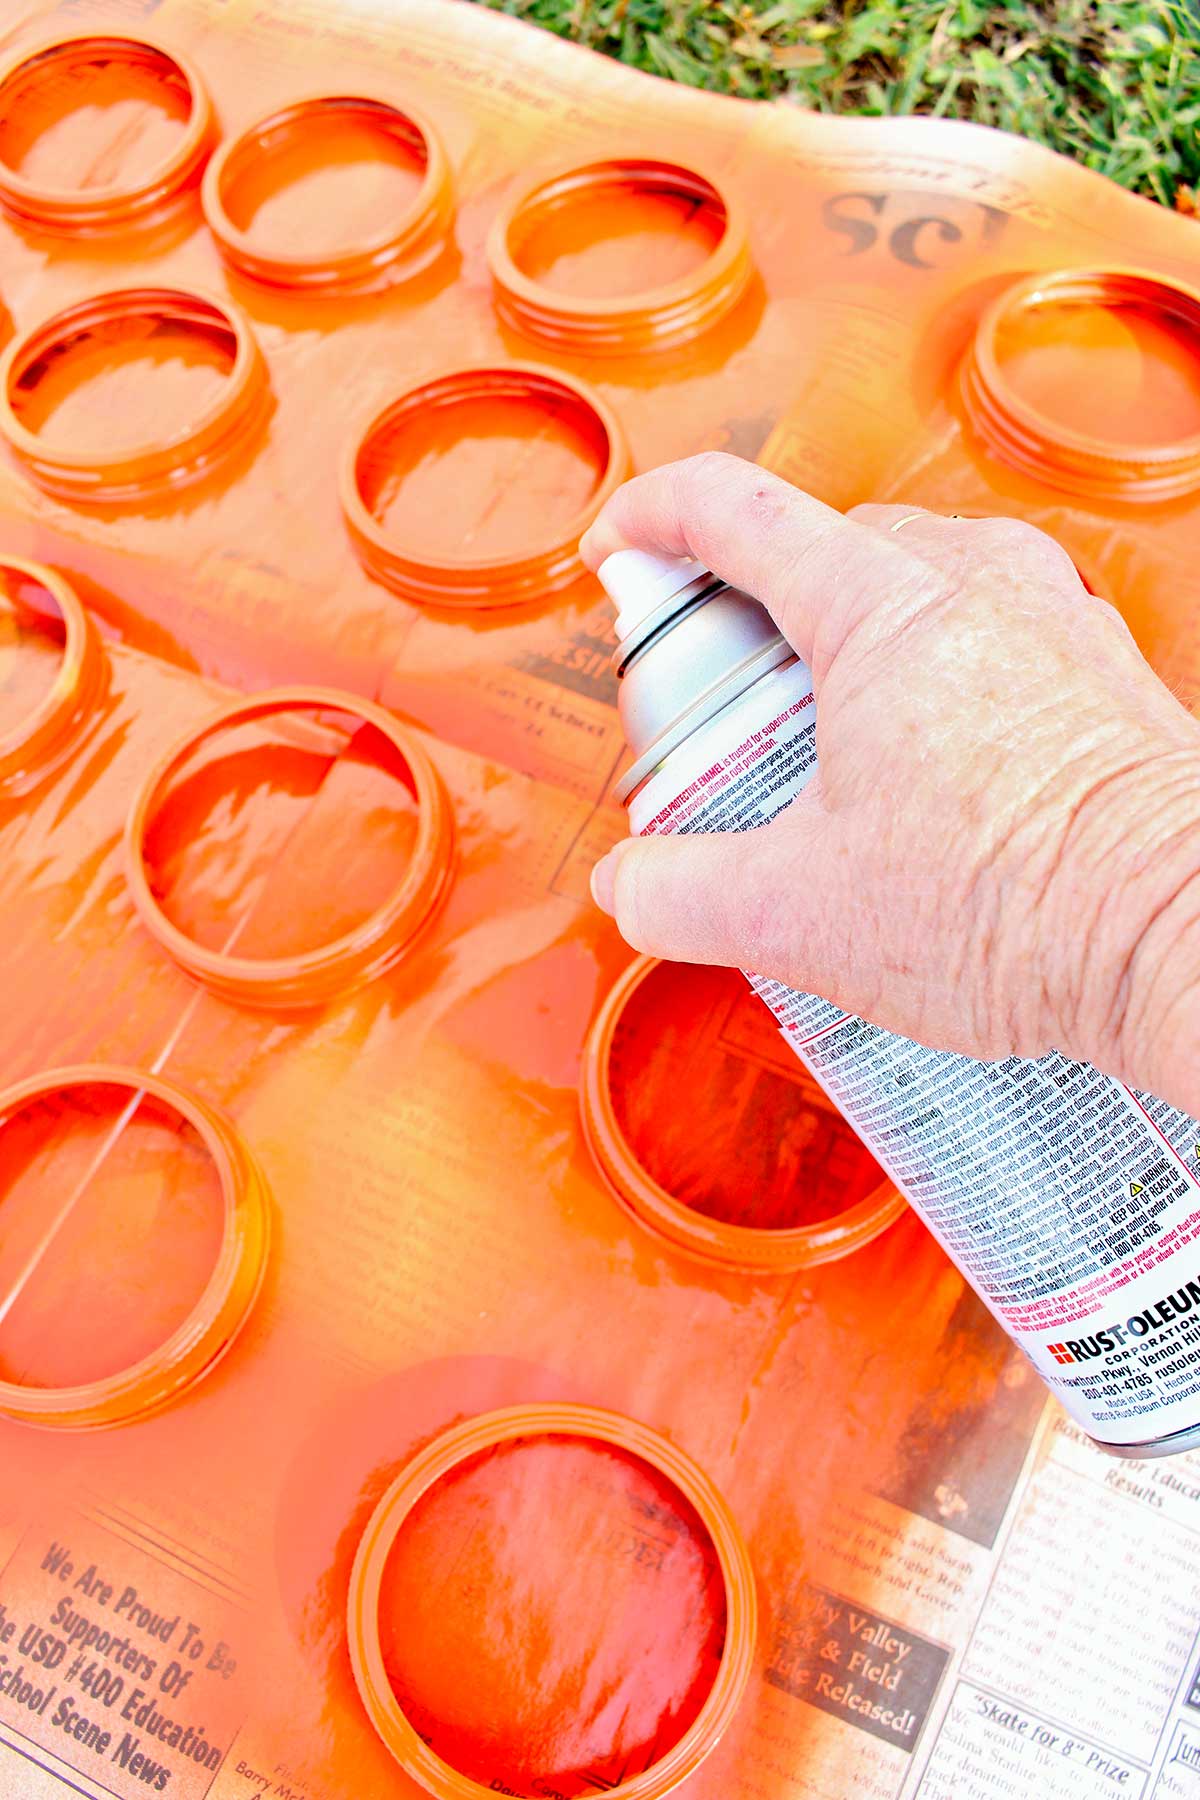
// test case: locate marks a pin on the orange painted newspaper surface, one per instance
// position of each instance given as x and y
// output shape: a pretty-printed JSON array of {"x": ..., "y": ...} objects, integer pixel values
[{"x": 438, "y": 1352}]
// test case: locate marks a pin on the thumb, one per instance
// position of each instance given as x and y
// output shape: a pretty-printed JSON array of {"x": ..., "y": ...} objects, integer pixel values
[{"x": 730, "y": 898}]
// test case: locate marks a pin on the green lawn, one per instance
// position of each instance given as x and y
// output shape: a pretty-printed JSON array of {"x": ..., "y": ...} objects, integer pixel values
[{"x": 1116, "y": 86}]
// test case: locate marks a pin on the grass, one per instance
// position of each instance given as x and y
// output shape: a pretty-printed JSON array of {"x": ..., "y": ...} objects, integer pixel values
[{"x": 1115, "y": 85}]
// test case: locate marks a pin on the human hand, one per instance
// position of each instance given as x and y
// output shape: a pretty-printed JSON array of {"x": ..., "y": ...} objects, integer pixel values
[{"x": 1000, "y": 853}]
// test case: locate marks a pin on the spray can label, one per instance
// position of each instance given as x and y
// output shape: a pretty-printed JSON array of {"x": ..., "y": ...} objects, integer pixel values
[{"x": 1069, "y": 1201}]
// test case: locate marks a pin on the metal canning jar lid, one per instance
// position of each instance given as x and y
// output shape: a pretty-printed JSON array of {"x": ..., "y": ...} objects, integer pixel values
[
  {"x": 410, "y": 238},
  {"x": 203, "y": 1337},
  {"x": 45, "y": 735},
  {"x": 1135, "y": 355},
  {"x": 547, "y": 401},
  {"x": 92, "y": 473},
  {"x": 627, "y": 322},
  {"x": 448, "y": 1453},
  {"x": 311, "y": 977},
  {"x": 119, "y": 203},
  {"x": 709, "y": 1239}
]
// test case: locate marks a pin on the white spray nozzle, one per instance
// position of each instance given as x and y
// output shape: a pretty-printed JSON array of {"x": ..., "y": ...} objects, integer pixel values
[{"x": 638, "y": 582}]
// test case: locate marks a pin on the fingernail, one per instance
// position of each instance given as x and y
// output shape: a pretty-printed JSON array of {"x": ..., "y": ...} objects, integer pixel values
[
  {"x": 595, "y": 546},
  {"x": 585, "y": 540},
  {"x": 587, "y": 553},
  {"x": 604, "y": 882}
]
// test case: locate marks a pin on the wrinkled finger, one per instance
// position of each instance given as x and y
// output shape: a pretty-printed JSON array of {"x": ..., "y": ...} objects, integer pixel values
[
  {"x": 814, "y": 570},
  {"x": 732, "y": 898},
  {"x": 1010, "y": 548},
  {"x": 894, "y": 517}
]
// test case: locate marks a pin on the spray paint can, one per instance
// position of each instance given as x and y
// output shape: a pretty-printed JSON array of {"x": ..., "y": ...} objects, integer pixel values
[{"x": 1069, "y": 1201}]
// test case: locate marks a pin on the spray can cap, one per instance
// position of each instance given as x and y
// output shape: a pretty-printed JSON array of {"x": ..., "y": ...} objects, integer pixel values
[{"x": 639, "y": 582}]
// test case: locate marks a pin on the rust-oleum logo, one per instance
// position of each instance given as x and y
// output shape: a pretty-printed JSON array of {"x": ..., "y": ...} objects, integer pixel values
[
  {"x": 1080, "y": 1349},
  {"x": 1139, "y": 1325}
]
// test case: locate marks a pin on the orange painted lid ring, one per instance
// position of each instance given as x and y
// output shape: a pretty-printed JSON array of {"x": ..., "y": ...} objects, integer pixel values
[
  {"x": 696, "y": 1234},
  {"x": 202, "y": 1338},
  {"x": 187, "y": 455},
  {"x": 657, "y": 318},
  {"x": 502, "y": 580},
  {"x": 1029, "y": 439},
  {"x": 47, "y": 733},
  {"x": 510, "y": 1425},
  {"x": 411, "y": 240},
  {"x": 312, "y": 977},
  {"x": 92, "y": 208}
]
